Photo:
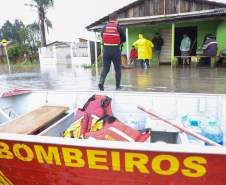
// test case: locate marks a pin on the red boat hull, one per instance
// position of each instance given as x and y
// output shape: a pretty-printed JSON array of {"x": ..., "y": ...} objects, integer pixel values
[{"x": 36, "y": 163}]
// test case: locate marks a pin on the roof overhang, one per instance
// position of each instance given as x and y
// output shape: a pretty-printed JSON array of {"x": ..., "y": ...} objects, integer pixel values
[
  {"x": 92, "y": 26},
  {"x": 171, "y": 18}
]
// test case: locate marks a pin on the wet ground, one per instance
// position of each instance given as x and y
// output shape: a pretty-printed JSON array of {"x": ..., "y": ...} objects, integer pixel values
[{"x": 72, "y": 77}]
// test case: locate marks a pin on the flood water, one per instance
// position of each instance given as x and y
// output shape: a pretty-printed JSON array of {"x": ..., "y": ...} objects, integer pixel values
[{"x": 73, "y": 77}]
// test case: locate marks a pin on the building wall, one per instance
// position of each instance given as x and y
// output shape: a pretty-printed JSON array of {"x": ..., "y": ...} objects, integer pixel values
[
  {"x": 203, "y": 27},
  {"x": 221, "y": 35},
  {"x": 160, "y": 7},
  {"x": 148, "y": 32}
]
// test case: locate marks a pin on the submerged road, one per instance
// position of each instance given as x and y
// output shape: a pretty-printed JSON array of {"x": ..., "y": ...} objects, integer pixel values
[{"x": 156, "y": 79}]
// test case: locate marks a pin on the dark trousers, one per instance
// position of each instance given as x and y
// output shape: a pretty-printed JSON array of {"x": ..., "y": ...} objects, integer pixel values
[
  {"x": 143, "y": 62},
  {"x": 111, "y": 54}
]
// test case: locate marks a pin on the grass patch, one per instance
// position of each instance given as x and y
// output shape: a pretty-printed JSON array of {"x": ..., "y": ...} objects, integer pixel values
[
  {"x": 92, "y": 66},
  {"x": 88, "y": 66},
  {"x": 29, "y": 62}
]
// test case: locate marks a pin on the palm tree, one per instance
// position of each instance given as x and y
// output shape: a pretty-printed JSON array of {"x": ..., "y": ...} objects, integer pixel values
[{"x": 42, "y": 7}]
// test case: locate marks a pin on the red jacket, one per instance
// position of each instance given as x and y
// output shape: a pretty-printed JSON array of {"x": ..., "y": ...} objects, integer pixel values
[{"x": 133, "y": 54}]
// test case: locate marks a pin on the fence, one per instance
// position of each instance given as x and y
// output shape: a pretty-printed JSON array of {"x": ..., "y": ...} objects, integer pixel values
[{"x": 63, "y": 54}]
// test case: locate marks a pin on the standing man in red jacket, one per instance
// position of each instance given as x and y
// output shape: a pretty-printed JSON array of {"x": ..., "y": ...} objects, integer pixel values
[{"x": 113, "y": 36}]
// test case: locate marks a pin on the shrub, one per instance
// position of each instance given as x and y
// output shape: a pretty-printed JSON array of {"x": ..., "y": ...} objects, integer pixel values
[{"x": 15, "y": 51}]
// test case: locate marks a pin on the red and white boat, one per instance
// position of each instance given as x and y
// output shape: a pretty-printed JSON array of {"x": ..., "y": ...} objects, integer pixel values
[{"x": 42, "y": 157}]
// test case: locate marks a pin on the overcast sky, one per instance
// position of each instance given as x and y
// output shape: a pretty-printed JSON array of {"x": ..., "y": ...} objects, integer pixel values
[{"x": 69, "y": 17}]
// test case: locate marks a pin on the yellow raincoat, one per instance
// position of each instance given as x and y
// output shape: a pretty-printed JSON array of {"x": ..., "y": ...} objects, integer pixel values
[
  {"x": 150, "y": 47},
  {"x": 144, "y": 47}
]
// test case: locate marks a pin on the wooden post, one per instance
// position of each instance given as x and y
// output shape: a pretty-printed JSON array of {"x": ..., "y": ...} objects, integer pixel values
[
  {"x": 89, "y": 50},
  {"x": 7, "y": 57},
  {"x": 127, "y": 43},
  {"x": 173, "y": 45},
  {"x": 96, "y": 57},
  {"x": 164, "y": 7},
  {"x": 179, "y": 7},
  {"x": 213, "y": 62}
]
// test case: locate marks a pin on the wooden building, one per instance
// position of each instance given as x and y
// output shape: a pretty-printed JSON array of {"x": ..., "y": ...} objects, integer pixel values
[{"x": 171, "y": 18}]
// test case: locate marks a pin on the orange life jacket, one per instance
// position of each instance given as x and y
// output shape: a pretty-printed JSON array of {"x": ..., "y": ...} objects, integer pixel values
[
  {"x": 111, "y": 36},
  {"x": 115, "y": 130},
  {"x": 86, "y": 118}
]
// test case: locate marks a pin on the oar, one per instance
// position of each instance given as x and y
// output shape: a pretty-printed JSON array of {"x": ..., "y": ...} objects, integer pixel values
[{"x": 187, "y": 131}]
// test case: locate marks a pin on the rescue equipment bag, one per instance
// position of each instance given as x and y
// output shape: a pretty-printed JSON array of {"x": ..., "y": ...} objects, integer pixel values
[
  {"x": 115, "y": 130},
  {"x": 87, "y": 117},
  {"x": 111, "y": 36}
]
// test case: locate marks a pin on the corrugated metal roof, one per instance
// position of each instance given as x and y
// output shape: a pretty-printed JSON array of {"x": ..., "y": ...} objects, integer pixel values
[{"x": 137, "y": 2}]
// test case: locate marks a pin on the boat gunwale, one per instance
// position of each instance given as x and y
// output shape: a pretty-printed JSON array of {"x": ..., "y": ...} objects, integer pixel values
[
  {"x": 123, "y": 92},
  {"x": 131, "y": 146}
]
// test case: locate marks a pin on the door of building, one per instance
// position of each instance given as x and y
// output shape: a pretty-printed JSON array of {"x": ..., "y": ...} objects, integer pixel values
[
  {"x": 166, "y": 49},
  {"x": 192, "y": 33}
]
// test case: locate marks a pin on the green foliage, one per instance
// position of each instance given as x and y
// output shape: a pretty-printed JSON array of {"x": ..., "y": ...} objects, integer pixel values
[
  {"x": 14, "y": 32},
  {"x": 33, "y": 36},
  {"x": 174, "y": 61},
  {"x": 24, "y": 39},
  {"x": 88, "y": 66},
  {"x": 15, "y": 51},
  {"x": 44, "y": 3},
  {"x": 92, "y": 66}
]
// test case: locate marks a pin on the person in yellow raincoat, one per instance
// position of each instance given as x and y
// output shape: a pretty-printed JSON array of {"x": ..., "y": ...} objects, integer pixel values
[
  {"x": 144, "y": 48},
  {"x": 150, "y": 47}
]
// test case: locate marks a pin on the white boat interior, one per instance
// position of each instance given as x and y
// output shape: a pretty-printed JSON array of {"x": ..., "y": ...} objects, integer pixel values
[{"x": 124, "y": 104}]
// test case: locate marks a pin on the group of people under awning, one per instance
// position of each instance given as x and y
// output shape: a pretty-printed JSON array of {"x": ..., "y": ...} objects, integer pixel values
[
  {"x": 143, "y": 49},
  {"x": 209, "y": 49}
]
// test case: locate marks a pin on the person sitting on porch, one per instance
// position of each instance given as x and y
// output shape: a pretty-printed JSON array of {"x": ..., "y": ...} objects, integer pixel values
[
  {"x": 209, "y": 49},
  {"x": 185, "y": 49},
  {"x": 133, "y": 56},
  {"x": 210, "y": 46},
  {"x": 143, "y": 45}
]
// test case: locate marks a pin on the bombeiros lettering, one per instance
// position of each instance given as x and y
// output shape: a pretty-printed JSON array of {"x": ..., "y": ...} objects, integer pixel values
[{"x": 117, "y": 161}]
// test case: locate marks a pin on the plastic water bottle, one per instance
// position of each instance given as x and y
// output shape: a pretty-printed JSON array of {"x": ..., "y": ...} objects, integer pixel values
[
  {"x": 213, "y": 132},
  {"x": 193, "y": 123},
  {"x": 195, "y": 127},
  {"x": 137, "y": 122},
  {"x": 190, "y": 118}
]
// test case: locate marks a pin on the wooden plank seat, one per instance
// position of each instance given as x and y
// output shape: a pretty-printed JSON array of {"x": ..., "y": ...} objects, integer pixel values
[
  {"x": 34, "y": 121},
  {"x": 196, "y": 58}
]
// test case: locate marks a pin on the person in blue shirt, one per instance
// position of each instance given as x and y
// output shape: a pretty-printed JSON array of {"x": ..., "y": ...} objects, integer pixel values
[{"x": 185, "y": 49}]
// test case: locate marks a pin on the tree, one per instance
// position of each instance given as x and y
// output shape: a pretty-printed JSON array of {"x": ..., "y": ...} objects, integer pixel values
[
  {"x": 42, "y": 7},
  {"x": 33, "y": 36},
  {"x": 7, "y": 31},
  {"x": 24, "y": 39},
  {"x": 13, "y": 31}
]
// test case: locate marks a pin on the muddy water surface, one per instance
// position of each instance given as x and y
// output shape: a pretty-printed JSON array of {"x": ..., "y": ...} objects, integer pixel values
[{"x": 73, "y": 77}]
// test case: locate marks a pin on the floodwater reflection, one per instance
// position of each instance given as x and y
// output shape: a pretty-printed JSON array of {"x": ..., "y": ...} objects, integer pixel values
[{"x": 73, "y": 77}]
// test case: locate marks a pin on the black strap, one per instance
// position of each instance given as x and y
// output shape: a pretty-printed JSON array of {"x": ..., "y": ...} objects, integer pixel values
[
  {"x": 88, "y": 102},
  {"x": 72, "y": 134},
  {"x": 107, "y": 119},
  {"x": 87, "y": 122},
  {"x": 105, "y": 101},
  {"x": 146, "y": 130}
]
